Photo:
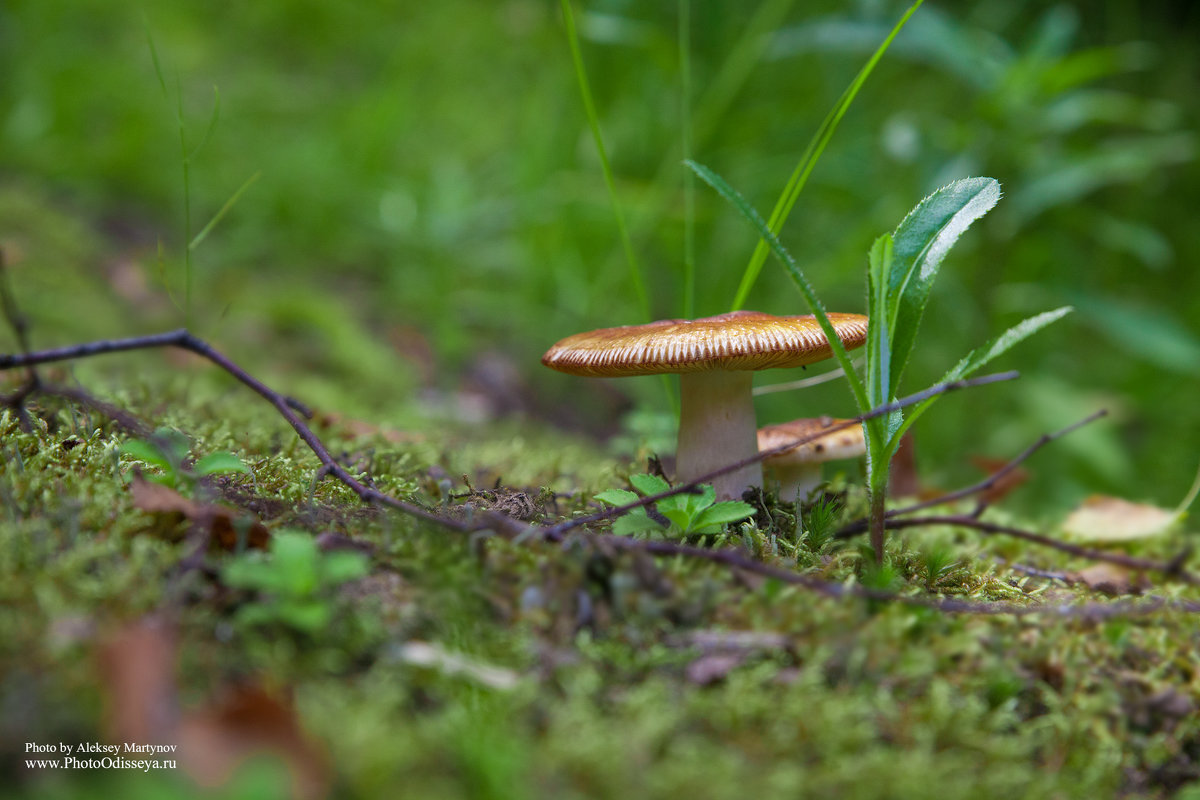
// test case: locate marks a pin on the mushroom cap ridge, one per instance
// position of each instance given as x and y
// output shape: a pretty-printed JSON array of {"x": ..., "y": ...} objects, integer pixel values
[
  {"x": 739, "y": 340},
  {"x": 847, "y": 442}
]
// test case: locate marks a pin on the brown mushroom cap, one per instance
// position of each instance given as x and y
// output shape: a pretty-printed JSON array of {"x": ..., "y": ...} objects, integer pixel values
[
  {"x": 843, "y": 443},
  {"x": 739, "y": 340}
]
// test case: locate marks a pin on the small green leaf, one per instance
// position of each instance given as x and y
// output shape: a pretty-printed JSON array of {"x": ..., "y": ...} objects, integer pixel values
[
  {"x": 649, "y": 484},
  {"x": 339, "y": 567},
  {"x": 635, "y": 522},
  {"x": 145, "y": 451},
  {"x": 723, "y": 514},
  {"x": 220, "y": 462},
  {"x": 681, "y": 518},
  {"x": 617, "y": 497}
]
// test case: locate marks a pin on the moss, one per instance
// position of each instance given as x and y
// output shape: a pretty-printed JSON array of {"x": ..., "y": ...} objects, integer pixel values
[{"x": 851, "y": 697}]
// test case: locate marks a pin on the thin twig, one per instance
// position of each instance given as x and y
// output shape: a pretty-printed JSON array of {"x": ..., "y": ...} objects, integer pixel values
[
  {"x": 20, "y": 327},
  {"x": 995, "y": 477},
  {"x": 555, "y": 532},
  {"x": 286, "y": 407},
  {"x": 737, "y": 560},
  {"x": 1173, "y": 568},
  {"x": 730, "y": 558}
]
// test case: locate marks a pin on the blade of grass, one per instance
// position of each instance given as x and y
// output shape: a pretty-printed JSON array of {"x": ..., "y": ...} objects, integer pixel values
[
  {"x": 755, "y": 219},
  {"x": 799, "y": 177},
  {"x": 589, "y": 107},
  {"x": 689, "y": 181},
  {"x": 212, "y": 223}
]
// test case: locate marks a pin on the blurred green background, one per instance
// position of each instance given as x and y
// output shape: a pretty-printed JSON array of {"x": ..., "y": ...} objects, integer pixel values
[{"x": 430, "y": 213}]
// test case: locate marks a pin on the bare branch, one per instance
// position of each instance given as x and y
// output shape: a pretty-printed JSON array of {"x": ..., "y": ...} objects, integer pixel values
[
  {"x": 737, "y": 560},
  {"x": 995, "y": 477},
  {"x": 1172, "y": 568},
  {"x": 286, "y": 407}
]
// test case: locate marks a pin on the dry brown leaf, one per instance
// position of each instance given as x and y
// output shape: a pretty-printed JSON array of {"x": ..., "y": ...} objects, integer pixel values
[
  {"x": 1110, "y": 579},
  {"x": 247, "y": 721},
  {"x": 221, "y": 522},
  {"x": 1004, "y": 485},
  {"x": 1102, "y": 520},
  {"x": 903, "y": 480},
  {"x": 138, "y": 668}
]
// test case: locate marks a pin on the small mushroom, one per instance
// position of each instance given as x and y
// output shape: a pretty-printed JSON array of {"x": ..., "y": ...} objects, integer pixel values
[
  {"x": 715, "y": 358},
  {"x": 798, "y": 470}
]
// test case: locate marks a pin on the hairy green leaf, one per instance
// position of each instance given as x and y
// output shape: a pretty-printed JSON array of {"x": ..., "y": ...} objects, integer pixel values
[
  {"x": 220, "y": 462},
  {"x": 921, "y": 241}
]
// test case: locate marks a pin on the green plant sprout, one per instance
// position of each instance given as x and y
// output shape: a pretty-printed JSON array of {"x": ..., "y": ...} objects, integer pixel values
[
  {"x": 688, "y": 514},
  {"x": 901, "y": 269},
  {"x": 294, "y": 582},
  {"x": 168, "y": 449}
]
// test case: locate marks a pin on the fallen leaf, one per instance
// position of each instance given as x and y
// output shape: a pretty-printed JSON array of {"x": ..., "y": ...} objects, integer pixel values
[
  {"x": 902, "y": 479},
  {"x": 1103, "y": 520},
  {"x": 244, "y": 722},
  {"x": 1002, "y": 486},
  {"x": 137, "y": 665},
  {"x": 1110, "y": 579},
  {"x": 138, "y": 668},
  {"x": 223, "y": 524}
]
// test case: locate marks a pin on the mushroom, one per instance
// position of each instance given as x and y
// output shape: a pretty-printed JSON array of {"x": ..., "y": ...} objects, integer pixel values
[
  {"x": 715, "y": 358},
  {"x": 798, "y": 470}
]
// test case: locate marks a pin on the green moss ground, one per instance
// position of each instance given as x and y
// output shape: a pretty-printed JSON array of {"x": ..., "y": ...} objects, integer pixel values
[{"x": 609, "y": 700}]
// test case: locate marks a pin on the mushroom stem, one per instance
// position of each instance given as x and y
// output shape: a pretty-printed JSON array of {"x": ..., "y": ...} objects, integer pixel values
[
  {"x": 796, "y": 482},
  {"x": 717, "y": 428}
]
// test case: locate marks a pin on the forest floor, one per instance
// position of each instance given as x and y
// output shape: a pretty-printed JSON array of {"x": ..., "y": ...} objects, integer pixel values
[{"x": 294, "y": 642}]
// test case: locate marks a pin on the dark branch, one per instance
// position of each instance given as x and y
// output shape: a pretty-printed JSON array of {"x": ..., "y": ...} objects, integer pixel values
[
  {"x": 1173, "y": 568},
  {"x": 995, "y": 477},
  {"x": 286, "y": 407}
]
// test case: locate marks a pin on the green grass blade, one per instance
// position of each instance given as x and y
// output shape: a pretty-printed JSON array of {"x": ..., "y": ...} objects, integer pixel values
[
  {"x": 799, "y": 177},
  {"x": 158, "y": 70},
  {"x": 212, "y": 223},
  {"x": 1189, "y": 498},
  {"x": 789, "y": 263},
  {"x": 212, "y": 124},
  {"x": 689, "y": 180},
  {"x": 589, "y": 106},
  {"x": 922, "y": 240},
  {"x": 980, "y": 356}
]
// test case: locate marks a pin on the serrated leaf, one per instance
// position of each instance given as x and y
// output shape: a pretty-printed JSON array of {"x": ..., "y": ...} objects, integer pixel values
[
  {"x": 1002, "y": 343},
  {"x": 921, "y": 242},
  {"x": 617, "y": 497},
  {"x": 220, "y": 462},
  {"x": 635, "y": 522},
  {"x": 681, "y": 518},
  {"x": 648, "y": 484},
  {"x": 723, "y": 514}
]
